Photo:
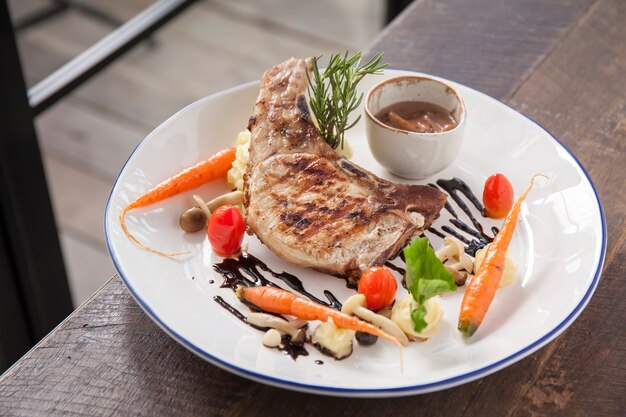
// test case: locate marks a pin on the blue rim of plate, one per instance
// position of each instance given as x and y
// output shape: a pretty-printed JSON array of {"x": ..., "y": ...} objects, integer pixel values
[{"x": 398, "y": 391}]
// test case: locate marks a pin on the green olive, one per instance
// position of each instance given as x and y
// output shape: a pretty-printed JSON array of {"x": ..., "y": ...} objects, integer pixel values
[{"x": 193, "y": 220}]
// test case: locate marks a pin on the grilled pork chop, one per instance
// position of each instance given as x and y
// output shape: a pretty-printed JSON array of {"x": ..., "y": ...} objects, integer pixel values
[{"x": 309, "y": 205}]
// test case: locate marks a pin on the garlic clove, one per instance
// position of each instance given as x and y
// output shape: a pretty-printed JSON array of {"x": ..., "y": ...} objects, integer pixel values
[{"x": 271, "y": 338}]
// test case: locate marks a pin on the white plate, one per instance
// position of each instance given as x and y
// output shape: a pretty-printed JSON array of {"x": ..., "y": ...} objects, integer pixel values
[{"x": 559, "y": 248}]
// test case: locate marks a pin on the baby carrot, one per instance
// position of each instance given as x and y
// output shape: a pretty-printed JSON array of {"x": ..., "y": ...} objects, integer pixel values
[
  {"x": 482, "y": 288},
  {"x": 276, "y": 300},
  {"x": 215, "y": 166}
]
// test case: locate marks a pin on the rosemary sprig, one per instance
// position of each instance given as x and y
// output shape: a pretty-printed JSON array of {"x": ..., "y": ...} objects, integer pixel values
[{"x": 333, "y": 95}]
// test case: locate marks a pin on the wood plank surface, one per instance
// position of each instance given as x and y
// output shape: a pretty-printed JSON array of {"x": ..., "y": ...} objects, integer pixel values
[
  {"x": 579, "y": 94},
  {"x": 562, "y": 63},
  {"x": 490, "y": 45}
]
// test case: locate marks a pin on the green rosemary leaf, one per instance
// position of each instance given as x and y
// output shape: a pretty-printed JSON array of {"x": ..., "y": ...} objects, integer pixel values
[{"x": 333, "y": 95}]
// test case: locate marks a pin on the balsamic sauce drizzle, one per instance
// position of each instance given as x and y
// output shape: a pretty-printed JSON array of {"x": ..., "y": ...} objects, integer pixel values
[
  {"x": 436, "y": 232},
  {"x": 232, "y": 310},
  {"x": 233, "y": 271},
  {"x": 396, "y": 268},
  {"x": 480, "y": 238},
  {"x": 246, "y": 270},
  {"x": 457, "y": 235},
  {"x": 455, "y": 184},
  {"x": 292, "y": 349},
  {"x": 454, "y": 187}
]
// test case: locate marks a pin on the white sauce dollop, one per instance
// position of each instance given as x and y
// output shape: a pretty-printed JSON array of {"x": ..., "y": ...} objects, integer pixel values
[
  {"x": 401, "y": 315},
  {"x": 509, "y": 274}
]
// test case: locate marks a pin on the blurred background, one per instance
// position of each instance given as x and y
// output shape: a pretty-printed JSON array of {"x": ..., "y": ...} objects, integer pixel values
[{"x": 87, "y": 136}]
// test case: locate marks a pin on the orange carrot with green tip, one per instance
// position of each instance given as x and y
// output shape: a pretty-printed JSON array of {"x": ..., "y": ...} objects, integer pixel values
[
  {"x": 481, "y": 290},
  {"x": 215, "y": 166},
  {"x": 279, "y": 301}
]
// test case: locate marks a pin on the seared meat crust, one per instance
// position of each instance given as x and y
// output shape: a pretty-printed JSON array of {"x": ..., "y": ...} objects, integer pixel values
[{"x": 312, "y": 207}]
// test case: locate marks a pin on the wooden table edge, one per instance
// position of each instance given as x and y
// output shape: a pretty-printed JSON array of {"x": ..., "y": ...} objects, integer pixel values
[{"x": 53, "y": 332}]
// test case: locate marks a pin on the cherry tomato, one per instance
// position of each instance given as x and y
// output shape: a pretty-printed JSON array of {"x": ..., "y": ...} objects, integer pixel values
[
  {"x": 497, "y": 196},
  {"x": 379, "y": 287},
  {"x": 225, "y": 230}
]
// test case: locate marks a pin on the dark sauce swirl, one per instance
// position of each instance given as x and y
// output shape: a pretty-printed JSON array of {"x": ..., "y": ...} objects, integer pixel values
[
  {"x": 287, "y": 347},
  {"x": 246, "y": 270},
  {"x": 455, "y": 187},
  {"x": 292, "y": 349},
  {"x": 396, "y": 268},
  {"x": 232, "y": 310}
]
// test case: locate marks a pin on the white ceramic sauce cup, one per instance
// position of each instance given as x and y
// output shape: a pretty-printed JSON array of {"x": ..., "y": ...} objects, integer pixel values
[{"x": 408, "y": 154}]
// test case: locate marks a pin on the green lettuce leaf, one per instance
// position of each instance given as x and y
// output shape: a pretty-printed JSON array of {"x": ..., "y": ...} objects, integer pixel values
[{"x": 425, "y": 277}]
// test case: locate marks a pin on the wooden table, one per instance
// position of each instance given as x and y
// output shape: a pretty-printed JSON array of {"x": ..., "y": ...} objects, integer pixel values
[{"x": 562, "y": 63}]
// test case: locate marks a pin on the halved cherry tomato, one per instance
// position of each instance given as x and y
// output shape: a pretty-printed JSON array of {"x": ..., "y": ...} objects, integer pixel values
[
  {"x": 225, "y": 230},
  {"x": 379, "y": 287},
  {"x": 498, "y": 196}
]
